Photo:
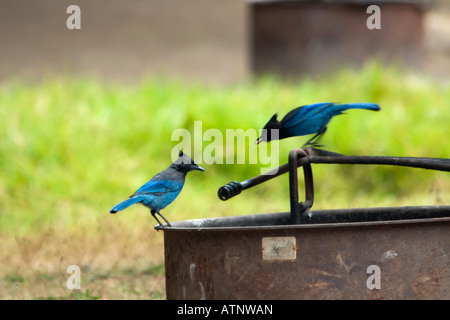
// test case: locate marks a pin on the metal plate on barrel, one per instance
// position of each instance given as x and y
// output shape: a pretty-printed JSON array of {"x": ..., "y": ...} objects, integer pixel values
[{"x": 279, "y": 248}]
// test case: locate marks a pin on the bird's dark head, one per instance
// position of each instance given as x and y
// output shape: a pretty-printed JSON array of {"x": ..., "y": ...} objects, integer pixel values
[
  {"x": 185, "y": 164},
  {"x": 266, "y": 135}
]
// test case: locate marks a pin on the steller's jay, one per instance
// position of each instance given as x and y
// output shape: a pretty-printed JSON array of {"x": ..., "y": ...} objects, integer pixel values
[
  {"x": 309, "y": 119},
  {"x": 163, "y": 188}
]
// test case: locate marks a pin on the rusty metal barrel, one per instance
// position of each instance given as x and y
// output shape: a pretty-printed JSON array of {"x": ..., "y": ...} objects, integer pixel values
[{"x": 359, "y": 253}]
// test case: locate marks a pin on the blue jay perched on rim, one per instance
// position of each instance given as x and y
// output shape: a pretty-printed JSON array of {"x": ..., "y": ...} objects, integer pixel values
[
  {"x": 309, "y": 119},
  {"x": 163, "y": 188}
]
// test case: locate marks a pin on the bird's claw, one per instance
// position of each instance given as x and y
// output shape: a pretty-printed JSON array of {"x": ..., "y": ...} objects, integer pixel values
[
  {"x": 162, "y": 226},
  {"x": 313, "y": 144}
]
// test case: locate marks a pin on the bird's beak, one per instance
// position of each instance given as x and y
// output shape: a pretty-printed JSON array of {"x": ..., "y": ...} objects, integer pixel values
[
  {"x": 198, "y": 168},
  {"x": 258, "y": 141}
]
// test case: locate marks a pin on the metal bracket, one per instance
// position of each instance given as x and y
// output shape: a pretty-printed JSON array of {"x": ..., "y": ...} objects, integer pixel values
[
  {"x": 303, "y": 208},
  {"x": 305, "y": 157}
]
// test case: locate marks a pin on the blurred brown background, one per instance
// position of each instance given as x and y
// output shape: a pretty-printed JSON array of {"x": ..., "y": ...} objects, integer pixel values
[
  {"x": 200, "y": 40},
  {"x": 124, "y": 40}
]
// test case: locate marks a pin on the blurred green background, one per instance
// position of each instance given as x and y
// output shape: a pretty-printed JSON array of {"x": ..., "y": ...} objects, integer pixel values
[{"x": 73, "y": 146}]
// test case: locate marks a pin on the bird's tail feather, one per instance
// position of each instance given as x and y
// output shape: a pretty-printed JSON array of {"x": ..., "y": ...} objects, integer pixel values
[
  {"x": 125, "y": 204},
  {"x": 359, "y": 105}
]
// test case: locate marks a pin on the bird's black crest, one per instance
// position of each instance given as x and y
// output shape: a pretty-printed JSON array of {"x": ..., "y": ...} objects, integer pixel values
[
  {"x": 274, "y": 117},
  {"x": 272, "y": 123}
]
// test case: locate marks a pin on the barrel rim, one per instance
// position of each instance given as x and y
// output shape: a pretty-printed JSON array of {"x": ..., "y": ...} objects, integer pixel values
[{"x": 244, "y": 222}]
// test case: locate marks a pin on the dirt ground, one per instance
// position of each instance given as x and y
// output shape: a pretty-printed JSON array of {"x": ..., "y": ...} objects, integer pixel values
[{"x": 114, "y": 264}]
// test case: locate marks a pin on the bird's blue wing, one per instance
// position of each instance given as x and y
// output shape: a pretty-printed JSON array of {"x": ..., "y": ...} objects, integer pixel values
[
  {"x": 301, "y": 114},
  {"x": 159, "y": 186}
]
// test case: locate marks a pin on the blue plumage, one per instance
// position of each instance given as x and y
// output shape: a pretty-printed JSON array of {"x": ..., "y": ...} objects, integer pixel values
[
  {"x": 163, "y": 188},
  {"x": 309, "y": 119}
]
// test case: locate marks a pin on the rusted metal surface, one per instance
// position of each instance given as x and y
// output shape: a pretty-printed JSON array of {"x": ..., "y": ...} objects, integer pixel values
[
  {"x": 313, "y": 254},
  {"x": 223, "y": 258},
  {"x": 304, "y": 37}
]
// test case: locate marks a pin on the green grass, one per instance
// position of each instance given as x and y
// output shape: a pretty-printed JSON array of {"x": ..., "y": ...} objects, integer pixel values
[{"x": 70, "y": 149}]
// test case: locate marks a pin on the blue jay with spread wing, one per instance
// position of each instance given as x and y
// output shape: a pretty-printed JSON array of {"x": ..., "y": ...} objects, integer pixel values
[{"x": 309, "y": 119}]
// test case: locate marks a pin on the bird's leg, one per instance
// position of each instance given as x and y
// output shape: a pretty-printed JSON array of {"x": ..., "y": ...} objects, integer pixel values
[
  {"x": 168, "y": 223},
  {"x": 154, "y": 212},
  {"x": 313, "y": 141},
  {"x": 154, "y": 216}
]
